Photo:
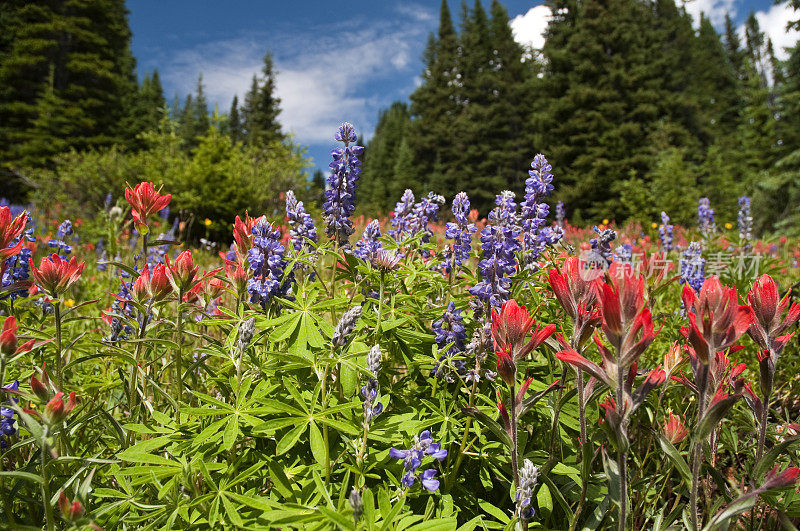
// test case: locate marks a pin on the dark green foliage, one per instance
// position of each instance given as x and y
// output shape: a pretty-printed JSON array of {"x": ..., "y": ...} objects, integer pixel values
[
  {"x": 379, "y": 186},
  {"x": 234, "y": 121},
  {"x": 65, "y": 77},
  {"x": 217, "y": 180},
  {"x": 262, "y": 107}
]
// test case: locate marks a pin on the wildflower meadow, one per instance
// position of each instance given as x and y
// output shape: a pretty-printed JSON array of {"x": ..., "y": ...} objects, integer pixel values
[{"x": 429, "y": 371}]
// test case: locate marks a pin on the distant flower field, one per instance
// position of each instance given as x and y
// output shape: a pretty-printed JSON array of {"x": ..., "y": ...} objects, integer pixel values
[{"x": 430, "y": 371}]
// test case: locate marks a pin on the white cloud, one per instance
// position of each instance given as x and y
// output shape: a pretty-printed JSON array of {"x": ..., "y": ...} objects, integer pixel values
[
  {"x": 324, "y": 73},
  {"x": 529, "y": 28},
  {"x": 715, "y": 10},
  {"x": 773, "y": 24}
]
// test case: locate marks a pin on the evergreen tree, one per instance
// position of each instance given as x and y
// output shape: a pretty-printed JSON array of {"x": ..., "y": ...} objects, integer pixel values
[
  {"x": 434, "y": 107},
  {"x": 234, "y": 121},
  {"x": 377, "y": 189},
  {"x": 75, "y": 55},
  {"x": 262, "y": 107},
  {"x": 616, "y": 80},
  {"x": 193, "y": 121}
]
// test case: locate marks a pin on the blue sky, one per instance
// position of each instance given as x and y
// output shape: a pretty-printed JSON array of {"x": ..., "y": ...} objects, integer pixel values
[{"x": 337, "y": 61}]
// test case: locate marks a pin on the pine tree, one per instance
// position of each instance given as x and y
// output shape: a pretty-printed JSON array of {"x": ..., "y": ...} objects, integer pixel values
[
  {"x": 376, "y": 189},
  {"x": 75, "y": 54},
  {"x": 234, "y": 121},
  {"x": 262, "y": 107},
  {"x": 434, "y": 107}
]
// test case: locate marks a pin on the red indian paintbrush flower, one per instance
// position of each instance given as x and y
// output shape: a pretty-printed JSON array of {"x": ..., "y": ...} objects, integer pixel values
[
  {"x": 181, "y": 274},
  {"x": 578, "y": 297},
  {"x": 627, "y": 322},
  {"x": 571, "y": 288},
  {"x": 55, "y": 275},
  {"x": 155, "y": 286},
  {"x": 243, "y": 235},
  {"x": 56, "y": 411},
  {"x": 70, "y": 511},
  {"x": 10, "y": 230},
  {"x": 769, "y": 324},
  {"x": 8, "y": 338},
  {"x": 716, "y": 320},
  {"x": 510, "y": 328},
  {"x": 674, "y": 429},
  {"x": 145, "y": 201}
]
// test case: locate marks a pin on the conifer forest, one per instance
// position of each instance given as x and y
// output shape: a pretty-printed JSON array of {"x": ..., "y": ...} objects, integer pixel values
[{"x": 555, "y": 287}]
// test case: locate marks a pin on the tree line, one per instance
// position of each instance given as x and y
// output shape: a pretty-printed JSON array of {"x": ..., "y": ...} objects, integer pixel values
[
  {"x": 636, "y": 109},
  {"x": 68, "y": 83}
]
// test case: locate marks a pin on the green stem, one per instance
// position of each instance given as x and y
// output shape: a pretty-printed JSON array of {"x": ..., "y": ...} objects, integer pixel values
[
  {"x": 59, "y": 361},
  {"x": 325, "y": 437},
  {"x": 380, "y": 307},
  {"x": 514, "y": 451},
  {"x": 179, "y": 359},
  {"x": 697, "y": 451},
  {"x": 132, "y": 395},
  {"x": 622, "y": 454},
  {"x": 48, "y": 507}
]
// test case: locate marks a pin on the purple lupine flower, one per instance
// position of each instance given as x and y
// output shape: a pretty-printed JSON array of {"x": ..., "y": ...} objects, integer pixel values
[
  {"x": 624, "y": 253},
  {"x": 693, "y": 267},
  {"x": 368, "y": 246},
  {"x": 121, "y": 311},
  {"x": 403, "y": 211},
  {"x": 745, "y": 221},
  {"x": 528, "y": 477},
  {"x": 460, "y": 230},
  {"x": 370, "y": 391},
  {"x": 345, "y": 326},
  {"x": 59, "y": 242},
  {"x": 412, "y": 459},
  {"x": 267, "y": 263},
  {"x": 341, "y": 193},
  {"x": 561, "y": 214},
  {"x": 705, "y": 217},
  {"x": 499, "y": 245},
  {"x": 665, "y": 233},
  {"x": 601, "y": 246},
  {"x": 535, "y": 234},
  {"x": 425, "y": 212},
  {"x": 505, "y": 213},
  {"x": 450, "y": 330},
  {"x": 301, "y": 224},
  {"x": 7, "y": 421}
]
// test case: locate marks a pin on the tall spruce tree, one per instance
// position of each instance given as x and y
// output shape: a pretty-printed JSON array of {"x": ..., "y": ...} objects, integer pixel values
[
  {"x": 378, "y": 189},
  {"x": 434, "y": 106},
  {"x": 262, "y": 107},
  {"x": 70, "y": 59},
  {"x": 609, "y": 95},
  {"x": 235, "y": 121}
]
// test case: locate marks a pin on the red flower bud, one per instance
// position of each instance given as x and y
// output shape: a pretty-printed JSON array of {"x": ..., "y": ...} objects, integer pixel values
[
  {"x": 145, "y": 201},
  {"x": 181, "y": 274},
  {"x": 55, "y": 275},
  {"x": 506, "y": 367},
  {"x": 39, "y": 389},
  {"x": 674, "y": 429},
  {"x": 70, "y": 511}
]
